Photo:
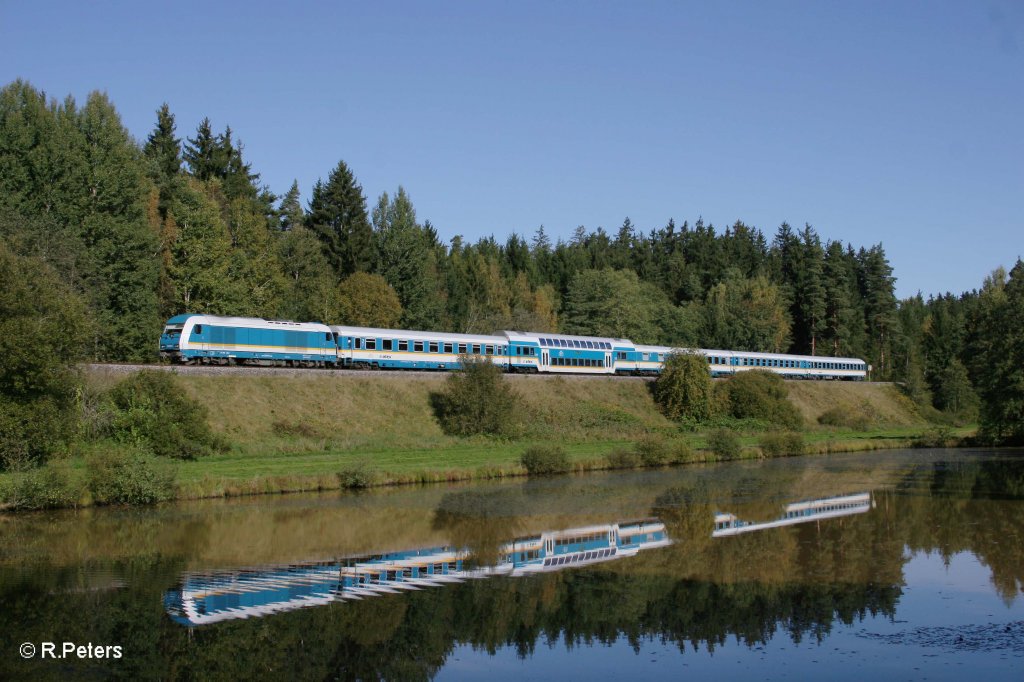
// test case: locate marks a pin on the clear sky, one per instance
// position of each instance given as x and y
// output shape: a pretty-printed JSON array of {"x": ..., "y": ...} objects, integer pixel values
[{"x": 897, "y": 122}]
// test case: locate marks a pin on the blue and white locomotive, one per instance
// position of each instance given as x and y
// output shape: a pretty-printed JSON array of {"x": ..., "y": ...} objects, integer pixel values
[{"x": 209, "y": 339}]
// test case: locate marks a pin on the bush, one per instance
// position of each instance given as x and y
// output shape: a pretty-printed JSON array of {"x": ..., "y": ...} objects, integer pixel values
[
  {"x": 32, "y": 430},
  {"x": 848, "y": 418},
  {"x": 620, "y": 458},
  {"x": 129, "y": 477},
  {"x": 782, "y": 444},
  {"x": 545, "y": 459},
  {"x": 357, "y": 475},
  {"x": 153, "y": 412},
  {"x": 759, "y": 394},
  {"x": 724, "y": 443},
  {"x": 681, "y": 453},
  {"x": 43, "y": 332},
  {"x": 653, "y": 451},
  {"x": 683, "y": 390},
  {"x": 937, "y": 437},
  {"x": 477, "y": 400},
  {"x": 48, "y": 487}
]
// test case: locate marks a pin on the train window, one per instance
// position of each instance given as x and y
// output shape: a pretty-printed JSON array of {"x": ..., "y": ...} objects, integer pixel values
[
  {"x": 359, "y": 343},
  {"x": 578, "y": 344},
  {"x": 387, "y": 344},
  {"x": 476, "y": 349},
  {"x": 403, "y": 346},
  {"x": 622, "y": 356},
  {"x": 417, "y": 346},
  {"x": 198, "y": 329},
  {"x": 447, "y": 348},
  {"x": 371, "y": 344},
  {"x": 433, "y": 347},
  {"x": 462, "y": 349},
  {"x": 488, "y": 350}
]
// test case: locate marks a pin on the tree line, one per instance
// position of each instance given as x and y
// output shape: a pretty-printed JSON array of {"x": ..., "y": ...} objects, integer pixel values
[{"x": 141, "y": 231}]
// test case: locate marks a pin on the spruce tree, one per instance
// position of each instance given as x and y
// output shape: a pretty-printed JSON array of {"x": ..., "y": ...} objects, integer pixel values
[
  {"x": 337, "y": 215},
  {"x": 290, "y": 210},
  {"x": 163, "y": 150},
  {"x": 202, "y": 152}
]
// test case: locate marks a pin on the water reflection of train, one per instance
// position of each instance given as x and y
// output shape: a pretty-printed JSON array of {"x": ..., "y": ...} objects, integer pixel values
[
  {"x": 798, "y": 512},
  {"x": 210, "y": 597},
  {"x": 224, "y": 595}
]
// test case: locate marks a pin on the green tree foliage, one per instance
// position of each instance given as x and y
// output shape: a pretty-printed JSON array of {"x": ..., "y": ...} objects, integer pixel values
[
  {"x": 746, "y": 314},
  {"x": 337, "y": 215},
  {"x": 367, "y": 300},
  {"x": 1001, "y": 384},
  {"x": 200, "y": 245},
  {"x": 477, "y": 399},
  {"x": 407, "y": 257},
  {"x": 163, "y": 151},
  {"x": 291, "y": 214},
  {"x": 311, "y": 290},
  {"x": 153, "y": 412},
  {"x": 615, "y": 303},
  {"x": 683, "y": 390},
  {"x": 43, "y": 328},
  {"x": 762, "y": 395}
]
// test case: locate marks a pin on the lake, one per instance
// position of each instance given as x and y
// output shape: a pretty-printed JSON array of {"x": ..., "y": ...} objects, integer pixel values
[{"x": 885, "y": 565}]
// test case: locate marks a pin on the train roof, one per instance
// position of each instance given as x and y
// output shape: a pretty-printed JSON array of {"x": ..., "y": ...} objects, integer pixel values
[
  {"x": 416, "y": 335},
  {"x": 257, "y": 322},
  {"x": 536, "y": 336}
]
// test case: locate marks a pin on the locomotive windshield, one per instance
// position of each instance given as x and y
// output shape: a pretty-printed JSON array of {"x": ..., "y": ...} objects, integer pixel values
[{"x": 173, "y": 329}]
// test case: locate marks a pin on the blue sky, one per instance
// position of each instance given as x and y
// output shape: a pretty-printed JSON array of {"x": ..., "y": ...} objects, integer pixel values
[{"x": 897, "y": 122}]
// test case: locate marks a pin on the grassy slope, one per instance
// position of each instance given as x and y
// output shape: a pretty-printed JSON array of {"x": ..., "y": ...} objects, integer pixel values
[
  {"x": 313, "y": 426},
  {"x": 297, "y": 433}
]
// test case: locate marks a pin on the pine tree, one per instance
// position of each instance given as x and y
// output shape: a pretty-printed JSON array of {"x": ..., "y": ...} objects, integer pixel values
[
  {"x": 1002, "y": 384},
  {"x": 162, "y": 146},
  {"x": 290, "y": 210},
  {"x": 409, "y": 263},
  {"x": 202, "y": 153},
  {"x": 163, "y": 150},
  {"x": 879, "y": 307},
  {"x": 337, "y": 215}
]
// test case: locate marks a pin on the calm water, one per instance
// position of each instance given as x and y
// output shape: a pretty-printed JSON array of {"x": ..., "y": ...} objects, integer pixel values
[{"x": 897, "y": 565}]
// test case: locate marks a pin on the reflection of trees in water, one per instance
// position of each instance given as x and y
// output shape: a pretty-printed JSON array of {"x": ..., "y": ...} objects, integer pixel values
[
  {"x": 477, "y": 522},
  {"x": 697, "y": 593}
]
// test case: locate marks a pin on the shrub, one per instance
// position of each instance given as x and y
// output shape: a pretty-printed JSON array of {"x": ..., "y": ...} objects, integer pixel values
[
  {"x": 620, "y": 458},
  {"x": 681, "y": 452},
  {"x": 477, "y": 400},
  {"x": 683, "y": 390},
  {"x": 43, "y": 332},
  {"x": 782, "y": 444},
  {"x": 129, "y": 477},
  {"x": 937, "y": 437},
  {"x": 47, "y": 487},
  {"x": 153, "y": 412},
  {"x": 653, "y": 451},
  {"x": 357, "y": 475},
  {"x": 849, "y": 418},
  {"x": 759, "y": 394},
  {"x": 545, "y": 459},
  {"x": 724, "y": 443}
]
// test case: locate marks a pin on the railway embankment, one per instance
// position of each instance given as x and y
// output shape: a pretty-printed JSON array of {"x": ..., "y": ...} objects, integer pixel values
[{"x": 291, "y": 432}]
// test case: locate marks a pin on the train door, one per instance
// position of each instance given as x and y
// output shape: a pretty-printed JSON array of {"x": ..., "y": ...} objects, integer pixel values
[
  {"x": 608, "y": 362},
  {"x": 544, "y": 359}
]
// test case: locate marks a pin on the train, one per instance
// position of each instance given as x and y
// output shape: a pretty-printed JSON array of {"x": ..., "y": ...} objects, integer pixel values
[{"x": 210, "y": 339}]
